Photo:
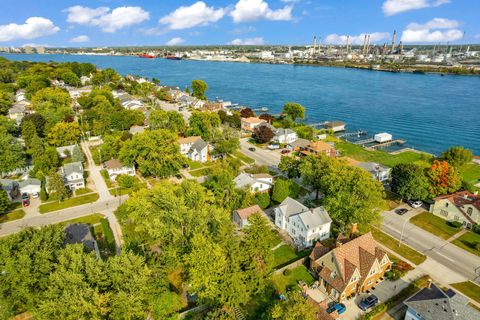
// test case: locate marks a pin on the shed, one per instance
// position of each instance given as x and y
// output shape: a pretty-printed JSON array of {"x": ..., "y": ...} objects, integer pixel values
[{"x": 382, "y": 137}]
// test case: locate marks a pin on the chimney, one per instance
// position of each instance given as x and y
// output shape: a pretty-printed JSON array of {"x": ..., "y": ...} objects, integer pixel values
[
  {"x": 354, "y": 228},
  {"x": 393, "y": 40},
  {"x": 429, "y": 285},
  {"x": 338, "y": 244}
]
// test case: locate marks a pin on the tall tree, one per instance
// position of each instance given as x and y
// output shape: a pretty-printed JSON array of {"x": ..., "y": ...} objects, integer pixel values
[
  {"x": 56, "y": 187},
  {"x": 4, "y": 200},
  {"x": 199, "y": 88},
  {"x": 64, "y": 133},
  {"x": 171, "y": 120},
  {"x": 204, "y": 124},
  {"x": 247, "y": 113},
  {"x": 294, "y": 110},
  {"x": 53, "y": 104},
  {"x": 263, "y": 134},
  {"x": 457, "y": 156},
  {"x": 409, "y": 181},
  {"x": 295, "y": 307},
  {"x": 290, "y": 166},
  {"x": 228, "y": 141},
  {"x": 77, "y": 154},
  {"x": 11, "y": 152},
  {"x": 443, "y": 178}
]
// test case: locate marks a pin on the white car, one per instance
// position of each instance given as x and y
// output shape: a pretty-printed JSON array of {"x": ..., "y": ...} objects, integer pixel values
[
  {"x": 273, "y": 147},
  {"x": 415, "y": 204},
  {"x": 35, "y": 195}
]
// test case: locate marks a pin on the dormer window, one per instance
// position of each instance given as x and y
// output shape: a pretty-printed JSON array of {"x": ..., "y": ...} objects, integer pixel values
[{"x": 334, "y": 275}]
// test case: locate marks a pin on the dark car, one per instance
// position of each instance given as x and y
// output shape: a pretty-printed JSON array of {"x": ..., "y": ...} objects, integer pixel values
[
  {"x": 252, "y": 149},
  {"x": 178, "y": 176},
  {"x": 285, "y": 151},
  {"x": 401, "y": 211},
  {"x": 339, "y": 307},
  {"x": 368, "y": 302},
  {"x": 186, "y": 166},
  {"x": 25, "y": 196}
]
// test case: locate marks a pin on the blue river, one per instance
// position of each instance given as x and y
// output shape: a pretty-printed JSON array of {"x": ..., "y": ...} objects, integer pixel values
[{"x": 431, "y": 112}]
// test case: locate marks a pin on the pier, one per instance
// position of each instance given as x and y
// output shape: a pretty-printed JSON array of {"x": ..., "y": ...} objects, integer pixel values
[
  {"x": 352, "y": 134},
  {"x": 364, "y": 141},
  {"x": 386, "y": 144}
]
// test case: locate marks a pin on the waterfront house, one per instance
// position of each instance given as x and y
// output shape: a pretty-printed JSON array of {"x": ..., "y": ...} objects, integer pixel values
[
  {"x": 30, "y": 186},
  {"x": 191, "y": 102},
  {"x": 335, "y": 126},
  {"x": 462, "y": 206},
  {"x": 318, "y": 147},
  {"x": 379, "y": 172},
  {"x": 240, "y": 216},
  {"x": 249, "y": 124},
  {"x": 212, "y": 106},
  {"x": 194, "y": 148},
  {"x": 73, "y": 175},
  {"x": 261, "y": 182},
  {"x": 11, "y": 187},
  {"x": 434, "y": 303},
  {"x": 115, "y": 168},
  {"x": 299, "y": 144},
  {"x": 304, "y": 225},
  {"x": 284, "y": 136},
  {"x": 352, "y": 266}
]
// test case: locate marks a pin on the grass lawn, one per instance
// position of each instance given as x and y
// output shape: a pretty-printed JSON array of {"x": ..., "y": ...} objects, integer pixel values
[
  {"x": 95, "y": 154},
  {"x": 106, "y": 178},
  {"x": 90, "y": 219},
  {"x": 285, "y": 254},
  {"x": 80, "y": 192},
  {"x": 275, "y": 239},
  {"x": 469, "y": 289},
  {"x": 469, "y": 242},
  {"x": 200, "y": 172},
  {"x": 359, "y": 153},
  {"x": 435, "y": 225},
  {"x": 393, "y": 200},
  {"x": 404, "y": 250},
  {"x": 471, "y": 173},
  {"x": 72, "y": 202},
  {"x": 243, "y": 157},
  {"x": 281, "y": 282},
  {"x": 13, "y": 215}
]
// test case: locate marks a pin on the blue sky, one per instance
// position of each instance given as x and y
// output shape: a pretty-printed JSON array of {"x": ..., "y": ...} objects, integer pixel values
[{"x": 158, "y": 22}]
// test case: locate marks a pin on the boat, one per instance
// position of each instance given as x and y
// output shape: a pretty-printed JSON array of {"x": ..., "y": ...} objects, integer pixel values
[
  {"x": 147, "y": 56},
  {"x": 173, "y": 58}
]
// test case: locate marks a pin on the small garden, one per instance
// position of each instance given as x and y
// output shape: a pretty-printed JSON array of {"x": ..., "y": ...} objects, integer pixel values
[
  {"x": 398, "y": 270},
  {"x": 285, "y": 254},
  {"x": 289, "y": 278}
]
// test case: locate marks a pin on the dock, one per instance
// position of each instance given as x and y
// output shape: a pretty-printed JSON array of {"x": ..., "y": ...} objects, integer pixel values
[
  {"x": 386, "y": 144},
  {"x": 352, "y": 134},
  {"x": 364, "y": 141}
]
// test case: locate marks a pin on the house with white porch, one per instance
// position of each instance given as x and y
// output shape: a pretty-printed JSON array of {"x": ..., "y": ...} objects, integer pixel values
[
  {"x": 194, "y": 148},
  {"x": 261, "y": 182},
  {"x": 73, "y": 175},
  {"x": 285, "y": 136},
  {"x": 378, "y": 171},
  {"x": 303, "y": 224},
  {"x": 115, "y": 168}
]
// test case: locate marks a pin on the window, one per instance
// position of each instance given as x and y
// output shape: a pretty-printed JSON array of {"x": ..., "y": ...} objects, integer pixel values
[
  {"x": 446, "y": 204},
  {"x": 444, "y": 213},
  {"x": 456, "y": 218},
  {"x": 469, "y": 211}
]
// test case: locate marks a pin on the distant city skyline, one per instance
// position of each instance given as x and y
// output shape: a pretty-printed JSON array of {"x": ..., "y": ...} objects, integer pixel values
[{"x": 87, "y": 23}]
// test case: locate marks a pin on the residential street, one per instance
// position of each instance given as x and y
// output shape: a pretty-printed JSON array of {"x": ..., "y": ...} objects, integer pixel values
[
  {"x": 261, "y": 156},
  {"x": 437, "y": 249}
]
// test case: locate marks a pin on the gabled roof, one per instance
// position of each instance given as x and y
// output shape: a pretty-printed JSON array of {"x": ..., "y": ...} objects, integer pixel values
[
  {"x": 30, "y": 181},
  {"x": 320, "y": 146},
  {"x": 198, "y": 145},
  {"x": 284, "y": 132},
  {"x": 372, "y": 166},
  {"x": 461, "y": 198},
  {"x": 188, "y": 140},
  {"x": 300, "y": 143},
  {"x": 247, "y": 212},
  {"x": 432, "y": 303},
  {"x": 113, "y": 164},
  {"x": 80, "y": 233},
  {"x": 74, "y": 167},
  {"x": 290, "y": 207},
  {"x": 246, "y": 179},
  {"x": 253, "y": 120}
]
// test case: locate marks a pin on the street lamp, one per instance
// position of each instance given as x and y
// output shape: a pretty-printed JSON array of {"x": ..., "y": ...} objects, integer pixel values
[{"x": 401, "y": 235}]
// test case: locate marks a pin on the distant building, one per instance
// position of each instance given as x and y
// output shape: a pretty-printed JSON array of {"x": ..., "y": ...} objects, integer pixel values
[
  {"x": 17, "y": 112},
  {"x": 40, "y": 50},
  {"x": 249, "y": 124},
  {"x": 73, "y": 175},
  {"x": 285, "y": 136},
  {"x": 240, "y": 216},
  {"x": 194, "y": 148},
  {"x": 433, "y": 303},
  {"x": 319, "y": 147},
  {"x": 382, "y": 137},
  {"x": 335, "y": 126},
  {"x": 304, "y": 225},
  {"x": 191, "y": 102},
  {"x": 379, "y": 172},
  {"x": 136, "y": 129},
  {"x": 115, "y": 168},
  {"x": 81, "y": 233},
  {"x": 11, "y": 187},
  {"x": 261, "y": 182},
  {"x": 462, "y": 206}
]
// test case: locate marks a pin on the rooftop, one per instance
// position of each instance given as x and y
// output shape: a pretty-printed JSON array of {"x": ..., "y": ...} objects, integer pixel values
[{"x": 247, "y": 212}]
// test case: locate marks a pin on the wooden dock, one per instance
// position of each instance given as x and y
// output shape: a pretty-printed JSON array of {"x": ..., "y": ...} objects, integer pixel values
[{"x": 386, "y": 144}]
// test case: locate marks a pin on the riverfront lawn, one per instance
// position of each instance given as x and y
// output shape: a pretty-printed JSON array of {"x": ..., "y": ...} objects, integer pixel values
[
  {"x": 283, "y": 282},
  {"x": 469, "y": 289},
  {"x": 469, "y": 242},
  {"x": 72, "y": 202},
  {"x": 435, "y": 225},
  {"x": 13, "y": 215},
  {"x": 404, "y": 250}
]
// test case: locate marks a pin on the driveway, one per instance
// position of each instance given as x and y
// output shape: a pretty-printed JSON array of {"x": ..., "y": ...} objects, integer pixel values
[{"x": 95, "y": 175}]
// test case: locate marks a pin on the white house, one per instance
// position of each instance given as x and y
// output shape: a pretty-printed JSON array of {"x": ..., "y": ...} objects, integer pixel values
[
  {"x": 189, "y": 101},
  {"x": 73, "y": 175},
  {"x": 194, "y": 148},
  {"x": 115, "y": 168},
  {"x": 17, "y": 112},
  {"x": 379, "y": 172},
  {"x": 285, "y": 136},
  {"x": 261, "y": 182},
  {"x": 240, "y": 216},
  {"x": 304, "y": 225},
  {"x": 30, "y": 186}
]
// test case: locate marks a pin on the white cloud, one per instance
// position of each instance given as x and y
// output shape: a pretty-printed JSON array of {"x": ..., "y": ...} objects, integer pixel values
[
  {"x": 248, "y": 42},
  {"x": 108, "y": 21},
  {"x": 198, "y": 14},
  {"x": 431, "y": 31},
  {"x": 34, "y": 27},
  {"x": 175, "y": 41},
  {"x": 392, "y": 7},
  {"x": 358, "y": 39},
  {"x": 251, "y": 10},
  {"x": 80, "y": 39}
]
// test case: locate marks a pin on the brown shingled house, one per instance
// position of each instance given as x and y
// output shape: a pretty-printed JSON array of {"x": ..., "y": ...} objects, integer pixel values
[{"x": 353, "y": 266}]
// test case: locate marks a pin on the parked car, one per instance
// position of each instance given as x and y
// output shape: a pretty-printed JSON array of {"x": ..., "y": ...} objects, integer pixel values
[
  {"x": 35, "y": 195},
  {"x": 273, "y": 147},
  {"x": 401, "y": 211},
  {"x": 25, "y": 196},
  {"x": 252, "y": 149},
  {"x": 415, "y": 203},
  {"x": 339, "y": 307},
  {"x": 26, "y": 202},
  {"x": 368, "y": 302},
  {"x": 285, "y": 151},
  {"x": 185, "y": 166}
]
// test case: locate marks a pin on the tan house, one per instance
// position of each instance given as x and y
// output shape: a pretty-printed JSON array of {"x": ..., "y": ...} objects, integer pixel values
[
  {"x": 240, "y": 216},
  {"x": 462, "y": 206},
  {"x": 318, "y": 147},
  {"x": 353, "y": 266},
  {"x": 249, "y": 124}
]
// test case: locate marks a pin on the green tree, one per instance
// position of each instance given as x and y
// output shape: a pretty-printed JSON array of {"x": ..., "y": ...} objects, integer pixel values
[
  {"x": 290, "y": 166},
  {"x": 443, "y": 178},
  {"x": 28, "y": 132},
  {"x": 312, "y": 170},
  {"x": 409, "y": 181},
  {"x": 228, "y": 142},
  {"x": 125, "y": 181},
  {"x": 204, "y": 124},
  {"x": 5, "y": 103},
  {"x": 11, "y": 152},
  {"x": 295, "y": 307},
  {"x": 262, "y": 199},
  {"x": 199, "y": 88},
  {"x": 4, "y": 200},
  {"x": 77, "y": 154},
  {"x": 457, "y": 156},
  {"x": 64, "y": 133},
  {"x": 153, "y": 152},
  {"x": 283, "y": 189},
  {"x": 53, "y": 104},
  {"x": 106, "y": 76},
  {"x": 294, "y": 110},
  {"x": 171, "y": 120},
  {"x": 263, "y": 134},
  {"x": 56, "y": 187}
]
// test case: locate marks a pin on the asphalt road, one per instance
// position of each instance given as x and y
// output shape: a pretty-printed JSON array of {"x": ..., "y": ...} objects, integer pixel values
[
  {"x": 441, "y": 251},
  {"x": 270, "y": 158}
]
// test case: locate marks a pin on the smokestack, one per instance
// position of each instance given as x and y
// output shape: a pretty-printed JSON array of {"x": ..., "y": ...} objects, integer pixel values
[
  {"x": 401, "y": 47},
  {"x": 429, "y": 285},
  {"x": 384, "y": 48},
  {"x": 393, "y": 40},
  {"x": 314, "y": 44},
  {"x": 368, "y": 44},
  {"x": 364, "y": 44},
  {"x": 348, "y": 39}
]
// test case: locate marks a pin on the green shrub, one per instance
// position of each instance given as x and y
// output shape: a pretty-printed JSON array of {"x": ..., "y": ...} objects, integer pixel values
[
  {"x": 455, "y": 224},
  {"x": 476, "y": 228},
  {"x": 287, "y": 272},
  {"x": 262, "y": 199},
  {"x": 126, "y": 181}
]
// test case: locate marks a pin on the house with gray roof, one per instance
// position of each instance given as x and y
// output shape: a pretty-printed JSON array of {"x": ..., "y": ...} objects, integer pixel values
[
  {"x": 65, "y": 151},
  {"x": 73, "y": 175},
  {"x": 11, "y": 187},
  {"x": 304, "y": 225},
  {"x": 30, "y": 186},
  {"x": 379, "y": 172},
  {"x": 17, "y": 112},
  {"x": 194, "y": 148},
  {"x": 261, "y": 182},
  {"x": 433, "y": 303},
  {"x": 81, "y": 233},
  {"x": 284, "y": 136}
]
